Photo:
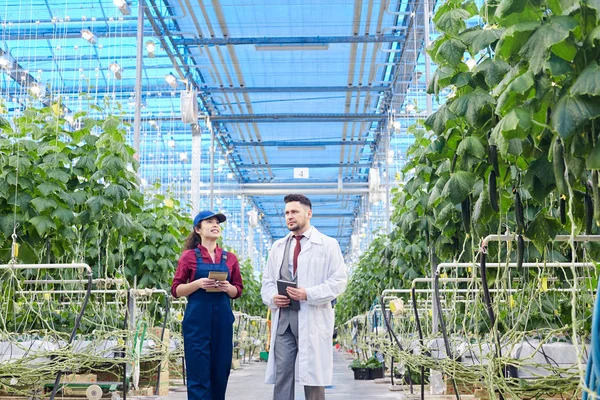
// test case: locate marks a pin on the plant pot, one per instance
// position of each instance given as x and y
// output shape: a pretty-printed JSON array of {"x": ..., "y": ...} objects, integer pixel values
[
  {"x": 361, "y": 373},
  {"x": 375, "y": 373}
]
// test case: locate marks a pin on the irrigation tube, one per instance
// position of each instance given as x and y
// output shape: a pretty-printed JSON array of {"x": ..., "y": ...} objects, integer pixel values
[
  {"x": 393, "y": 334},
  {"x": 149, "y": 292},
  {"x": 83, "y": 306},
  {"x": 420, "y": 330},
  {"x": 436, "y": 289}
]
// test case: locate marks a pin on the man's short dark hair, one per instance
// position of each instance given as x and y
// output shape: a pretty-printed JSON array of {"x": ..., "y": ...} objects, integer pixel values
[{"x": 300, "y": 198}]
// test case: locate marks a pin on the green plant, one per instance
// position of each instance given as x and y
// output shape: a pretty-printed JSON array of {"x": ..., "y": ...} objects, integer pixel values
[
  {"x": 373, "y": 363},
  {"x": 251, "y": 301},
  {"x": 356, "y": 363}
]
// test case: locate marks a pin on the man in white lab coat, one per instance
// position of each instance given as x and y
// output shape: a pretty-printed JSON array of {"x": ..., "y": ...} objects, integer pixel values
[{"x": 301, "y": 341}]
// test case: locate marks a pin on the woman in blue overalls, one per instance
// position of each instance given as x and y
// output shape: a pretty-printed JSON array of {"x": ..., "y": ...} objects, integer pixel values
[{"x": 208, "y": 320}]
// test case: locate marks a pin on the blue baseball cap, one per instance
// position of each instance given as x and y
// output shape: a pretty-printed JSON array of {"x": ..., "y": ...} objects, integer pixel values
[{"x": 206, "y": 214}]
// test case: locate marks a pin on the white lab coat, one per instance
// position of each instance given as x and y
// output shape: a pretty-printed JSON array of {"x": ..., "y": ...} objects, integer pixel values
[{"x": 322, "y": 272}]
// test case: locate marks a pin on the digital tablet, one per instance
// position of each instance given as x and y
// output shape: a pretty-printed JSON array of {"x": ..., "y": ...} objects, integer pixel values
[
  {"x": 282, "y": 290},
  {"x": 217, "y": 276}
]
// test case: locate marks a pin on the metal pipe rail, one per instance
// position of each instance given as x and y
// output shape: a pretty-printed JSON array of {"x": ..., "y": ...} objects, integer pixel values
[
  {"x": 108, "y": 281},
  {"x": 557, "y": 238}
]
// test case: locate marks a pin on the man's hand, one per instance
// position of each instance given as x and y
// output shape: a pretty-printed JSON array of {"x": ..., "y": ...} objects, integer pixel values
[
  {"x": 281, "y": 301},
  {"x": 297, "y": 293}
]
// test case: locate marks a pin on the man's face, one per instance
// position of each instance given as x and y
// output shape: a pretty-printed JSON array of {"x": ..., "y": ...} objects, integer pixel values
[{"x": 297, "y": 216}]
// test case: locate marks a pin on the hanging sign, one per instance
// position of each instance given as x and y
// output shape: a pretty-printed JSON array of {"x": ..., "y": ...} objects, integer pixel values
[{"x": 301, "y": 173}]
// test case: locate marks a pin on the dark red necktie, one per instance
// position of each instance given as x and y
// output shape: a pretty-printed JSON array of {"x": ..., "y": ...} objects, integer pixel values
[{"x": 297, "y": 251}]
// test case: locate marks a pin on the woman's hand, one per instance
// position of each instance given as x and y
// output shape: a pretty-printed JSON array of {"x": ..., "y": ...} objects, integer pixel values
[
  {"x": 205, "y": 283},
  {"x": 225, "y": 286}
]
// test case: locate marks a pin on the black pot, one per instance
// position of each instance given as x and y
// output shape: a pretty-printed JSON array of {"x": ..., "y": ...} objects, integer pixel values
[
  {"x": 361, "y": 373},
  {"x": 376, "y": 373}
]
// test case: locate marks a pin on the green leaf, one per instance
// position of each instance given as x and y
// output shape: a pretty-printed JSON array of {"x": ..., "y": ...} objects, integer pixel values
[
  {"x": 442, "y": 77},
  {"x": 521, "y": 8},
  {"x": 471, "y": 105},
  {"x": 164, "y": 264},
  {"x": 437, "y": 190},
  {"x": 43, "y": 203},
  {"x": 572, "y": 112},
  {"x": 4, "y": 124},
  {"x": 471, "y": 145},
  {"x": 86, "y": 162},
  {"x": 64, "y": 215},
  {"x": 537, "y": 48},
  {"x": 122, "y": 221},
  {"x": 493, "y": 70},
  {"x": 459, "y": 186},
  {"x": 593, "y": 4},
  {"x": 59, "y": 175},
  {"x": 450, "y": 52},
  {"x": 593, "y": 160},
  {"x": 565, "y": 50},
  {"x": 539, "y": 179},
  {"x": 439, "y": 120},
  {"x": 558, "y": 67},
  {"x": 79, "y": 197},
  {"x": 516, "y": 124},
  {"x": 513, "y": 38},
  {"x": 47, "y": 188},
  {"x": 478, "y": 39},
  {"x": 112, "y": 164},
  {"x": 164, "y": 250},
  {"x": 117, "y": 192},
  {"x": 452, "y": 21},
  {"x": 588, "y": 83},
  {"x": 482, "y": 211},
  {"x": 96, "y": 203},
  {"x": 506, "y": 146},
  {"x": 43, "y": 224},
  {"x": 517, "y": 90},
  {"x": 593, "y": 38},
  {"x": 542, "y": 229},
  {"x": 111, "y": 124}
]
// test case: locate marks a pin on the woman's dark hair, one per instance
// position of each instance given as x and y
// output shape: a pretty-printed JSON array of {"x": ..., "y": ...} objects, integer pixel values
[
  {"x": 300, "y": 198},
  {"x": 193, "y": 239}
]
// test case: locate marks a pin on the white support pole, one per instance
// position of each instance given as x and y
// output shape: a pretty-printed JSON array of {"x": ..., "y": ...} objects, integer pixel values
[
  {"x": 242, "y": 225},
  {"x": 196, "y": 167},
  {"x": 138, "y": 79},
  {"x": 426, "y": 34},
  {"x": 212, "y": 165}
]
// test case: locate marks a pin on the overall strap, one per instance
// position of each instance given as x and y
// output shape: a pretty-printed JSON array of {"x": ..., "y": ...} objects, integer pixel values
[
  {"x": 198, "y": 254},
  {"x": 224, "y": 258}
]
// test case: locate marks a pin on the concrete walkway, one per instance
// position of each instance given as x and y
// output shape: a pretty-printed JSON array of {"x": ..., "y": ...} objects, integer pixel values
[{"x": 246, "y": 383}]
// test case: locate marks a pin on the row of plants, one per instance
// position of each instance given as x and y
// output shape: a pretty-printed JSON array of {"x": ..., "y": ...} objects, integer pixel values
[
  {"x": 513, "y": 149},
  {"x": 70, "y": 191}
]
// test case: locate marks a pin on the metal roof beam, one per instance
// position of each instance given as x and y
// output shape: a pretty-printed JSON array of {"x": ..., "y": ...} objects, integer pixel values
[
  {"x": 288, "y": 143},
  {"x": 288, "y": 40},
  {"x": 295, "y": 89},
  {"x": 305, "y": 165},
  {"x": 297, "y": 117},
  {"x": 277, "y": 192},
  {"x": 73, "y": 33}
]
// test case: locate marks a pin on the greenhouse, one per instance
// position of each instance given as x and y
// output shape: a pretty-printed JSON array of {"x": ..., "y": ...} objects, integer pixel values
[{"x": 437, "y": 163}]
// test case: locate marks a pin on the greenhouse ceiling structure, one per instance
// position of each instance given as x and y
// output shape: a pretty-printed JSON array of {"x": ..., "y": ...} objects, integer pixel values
[{"x": 301, "y": 96}]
